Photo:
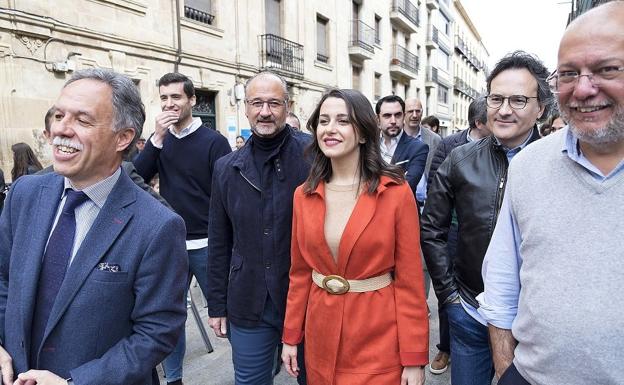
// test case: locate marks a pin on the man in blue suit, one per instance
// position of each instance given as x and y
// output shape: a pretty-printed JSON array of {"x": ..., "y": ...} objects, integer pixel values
[
  {"x": 397, "y": 147},
  {"x": 92, "y": 269}
]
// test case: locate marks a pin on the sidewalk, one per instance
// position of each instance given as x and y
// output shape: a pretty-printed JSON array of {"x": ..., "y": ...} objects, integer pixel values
[{"x": 201, "y": 368}]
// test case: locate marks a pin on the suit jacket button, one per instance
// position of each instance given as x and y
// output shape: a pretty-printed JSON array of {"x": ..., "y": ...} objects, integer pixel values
[{"x": 267, "y": 265}]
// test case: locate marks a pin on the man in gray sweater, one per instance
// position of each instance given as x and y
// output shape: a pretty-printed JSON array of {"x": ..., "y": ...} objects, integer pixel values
[{"x": 553, "y": 270}]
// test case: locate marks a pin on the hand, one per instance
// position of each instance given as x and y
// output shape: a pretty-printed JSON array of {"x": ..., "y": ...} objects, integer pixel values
[
  {"x": 39, "y": 377},
  {"x": 6, "y": 367},
  {"x": 289, "y": 358},
  {"x": 501, "y": 366},
  {"x": 219, "y": 326},
  {"x": 413, "y": 375},
  {"x": 163, "y": 121}
]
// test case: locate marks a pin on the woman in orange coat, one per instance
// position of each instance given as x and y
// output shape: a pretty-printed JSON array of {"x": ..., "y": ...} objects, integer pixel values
[{"x": 356, "y": 285}]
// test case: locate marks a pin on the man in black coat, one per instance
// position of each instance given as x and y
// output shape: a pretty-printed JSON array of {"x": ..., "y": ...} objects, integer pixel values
[
  {"x": 471, "y": 184},
  {"x": 477, "y": 129},
  {"x": 250, "y": 231}
]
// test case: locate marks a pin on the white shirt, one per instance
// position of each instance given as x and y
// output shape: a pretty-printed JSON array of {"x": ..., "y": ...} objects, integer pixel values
[{"x": 387, "y": 152}]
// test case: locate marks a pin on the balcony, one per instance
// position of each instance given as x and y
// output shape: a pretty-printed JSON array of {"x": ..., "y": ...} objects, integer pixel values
[
  {"x": 432, "y": 38},
  {"x": 198, "y": 15},
  {"x": 465, "y": 89},
  {"x": 403, "y": 64},
  {"x": 443, "y": 43},
  {"x": 281, "y": 55},
  {"x": 431, "y": 80},
  {"x": 462, "y": 48},
  {"x": 362, "y": 40},
  {"x": 432, "y": 4},
  {"x": 405, "y": 15}
]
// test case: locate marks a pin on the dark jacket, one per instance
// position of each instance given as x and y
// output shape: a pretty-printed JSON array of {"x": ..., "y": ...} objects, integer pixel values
[
  {"x": 250, "y": 230},
  {"x": 444, "y": 149},
  {"x": 471, "y": 181},
  {"x": 184, "y": 167},
  {"x": 411, "y": 155}
]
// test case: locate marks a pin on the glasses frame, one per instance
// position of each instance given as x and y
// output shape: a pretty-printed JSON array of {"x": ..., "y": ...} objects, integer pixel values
[
  {"x": 508, "y": 99},
  {"x": 595, "y": 79},
  {"x": 249, "y": 102}
]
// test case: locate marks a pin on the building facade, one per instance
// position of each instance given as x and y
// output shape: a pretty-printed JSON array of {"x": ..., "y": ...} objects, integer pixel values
[
  {"x": 376, "y": 46},
  {"x": 469, "y": 62}
]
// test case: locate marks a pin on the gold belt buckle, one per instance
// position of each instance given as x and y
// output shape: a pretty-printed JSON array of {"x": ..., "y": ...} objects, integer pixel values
[{"x": 335, "y": 284}]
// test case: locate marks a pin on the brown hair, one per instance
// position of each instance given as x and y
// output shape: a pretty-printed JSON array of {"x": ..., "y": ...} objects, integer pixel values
[
  {"x": 23, "y": 159},
  {"x": 362, "y": 117}
]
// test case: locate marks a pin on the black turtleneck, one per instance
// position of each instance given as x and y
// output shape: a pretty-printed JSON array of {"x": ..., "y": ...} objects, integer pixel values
[{"x": 263, "y": 147}]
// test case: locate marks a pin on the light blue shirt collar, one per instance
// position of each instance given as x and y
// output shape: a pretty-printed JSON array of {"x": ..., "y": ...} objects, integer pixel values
[
  {"x": 511, "y": 152},
  {"x": 572, "y": 148},
  {"x": 98, "y": 192}
]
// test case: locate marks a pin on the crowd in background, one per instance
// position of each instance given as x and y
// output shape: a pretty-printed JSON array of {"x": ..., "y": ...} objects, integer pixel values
[{"x": 322, "y": 241}]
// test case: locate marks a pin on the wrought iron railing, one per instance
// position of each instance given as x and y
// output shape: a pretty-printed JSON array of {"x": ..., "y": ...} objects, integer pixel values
[
  {"x": 362, "y": 35},
  {"x": 432, "y": 74},
  {"x": 444, "y": 46},
  {"x": 198, "y": 15},
  {"x": 464, "y": 88},
  {"x": 322, "y": 58},
  {"x": 463, "y": 49},
  {"x": 281, "y": 55},
  {"x": 432, "y": 34},
  {"x": 404, "y": 58},
  {"x": 407, "y": 9}
]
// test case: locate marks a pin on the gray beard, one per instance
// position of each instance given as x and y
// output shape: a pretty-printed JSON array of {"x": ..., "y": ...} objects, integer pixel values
[{"x": 612, "y": 133}]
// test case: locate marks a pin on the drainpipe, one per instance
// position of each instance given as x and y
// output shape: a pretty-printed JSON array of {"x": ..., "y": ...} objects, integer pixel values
[{"x": 178, "y": 28}]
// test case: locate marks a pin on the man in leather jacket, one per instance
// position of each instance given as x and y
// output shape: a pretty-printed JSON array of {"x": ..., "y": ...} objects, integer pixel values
[
  {"x": 477, "y": 129},
  {"x": 471, "y": 181}
]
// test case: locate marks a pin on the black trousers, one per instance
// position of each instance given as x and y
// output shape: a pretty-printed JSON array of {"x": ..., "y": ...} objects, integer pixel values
[{"x": 512, "y": 377}]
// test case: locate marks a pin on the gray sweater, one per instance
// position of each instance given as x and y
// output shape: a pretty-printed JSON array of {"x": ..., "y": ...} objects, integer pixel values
[{"x": 570, "y": 320}]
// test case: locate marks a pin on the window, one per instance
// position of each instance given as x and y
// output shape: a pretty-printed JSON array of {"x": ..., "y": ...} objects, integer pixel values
[
  {"x": 443, "y": 60},
  {"x": 273, "y": 17},
  {"x": 407, "y": 88},
  {"x": 377, "y": 29},
  {"x": 199, "y": 10},
  {"x": 394, "y": 87},
  {"x": 377, "y": 86},
  {"x": 322, "y": 53},
  {"x": 443, "y": 94},
  {"x": 355, "y": 78},
  {"x": 444, "y": 24},
  {"x": 205, "y": 107}
]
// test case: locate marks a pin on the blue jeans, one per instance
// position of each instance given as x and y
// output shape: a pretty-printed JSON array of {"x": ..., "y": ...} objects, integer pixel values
[
  {"x": 470, "y": 348},
  {"x": 198, "y": 264},
  {"x": 254, "y": 349},
  {"x": 445, "y": 336}
]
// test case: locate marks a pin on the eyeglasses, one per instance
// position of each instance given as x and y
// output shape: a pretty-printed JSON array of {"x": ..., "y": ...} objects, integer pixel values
[
  {"x": 273, "y": 104},
  {"x": 516, "y": 102},
  {"x": 565, "y": 81}
]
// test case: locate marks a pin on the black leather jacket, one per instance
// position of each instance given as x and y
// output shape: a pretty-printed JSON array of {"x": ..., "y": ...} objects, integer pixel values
[{"x": 472, "y": 181}]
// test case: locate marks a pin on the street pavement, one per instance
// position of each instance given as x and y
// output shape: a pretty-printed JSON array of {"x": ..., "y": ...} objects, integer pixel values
[{"x": 202, "y": 368}]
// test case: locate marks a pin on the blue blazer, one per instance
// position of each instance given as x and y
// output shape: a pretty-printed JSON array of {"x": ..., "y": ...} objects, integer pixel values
[
  {"x": 105, "y": 327},
  {"x": 411, "y": 154}
]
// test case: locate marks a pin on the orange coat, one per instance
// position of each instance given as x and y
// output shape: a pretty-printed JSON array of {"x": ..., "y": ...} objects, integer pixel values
[{"x": 359, "y": 338}]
